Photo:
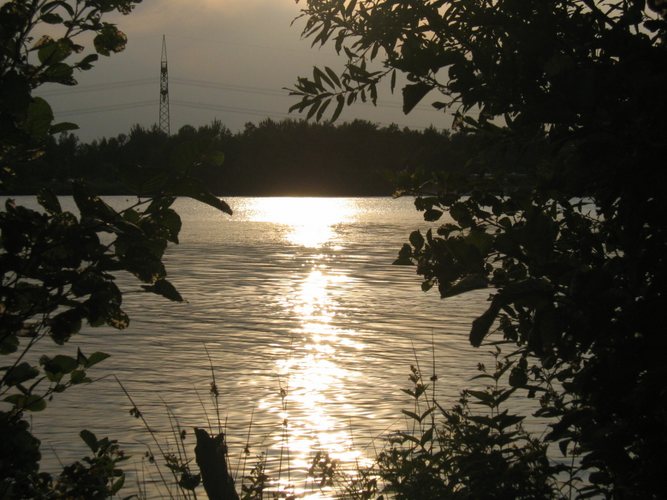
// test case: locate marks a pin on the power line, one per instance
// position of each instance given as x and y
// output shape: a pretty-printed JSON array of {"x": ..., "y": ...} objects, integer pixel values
[
  {"x": 185, "y": 104},
  {"x": 245, "y": 89},
  {"x": 99, "y": 87},
  {"x": 229, "y": 86},
  {"x": 101, "y": 109},
  {"x": 228, "y": 109},
  {"x": 199, "y": 106}
]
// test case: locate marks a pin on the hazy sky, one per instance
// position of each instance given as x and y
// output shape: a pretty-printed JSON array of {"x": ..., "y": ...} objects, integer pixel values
[{"x": 228, "y": 59}]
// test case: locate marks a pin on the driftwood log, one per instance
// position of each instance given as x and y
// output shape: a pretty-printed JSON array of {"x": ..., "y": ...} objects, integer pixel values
[{"x": 211, "y": 454}]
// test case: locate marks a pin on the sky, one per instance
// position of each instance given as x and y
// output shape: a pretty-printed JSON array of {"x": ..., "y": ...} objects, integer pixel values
[{"x": 228, "y": 60}]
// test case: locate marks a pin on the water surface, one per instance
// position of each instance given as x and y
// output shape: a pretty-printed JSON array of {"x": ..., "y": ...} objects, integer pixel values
[{"x": 310, "y": 331}]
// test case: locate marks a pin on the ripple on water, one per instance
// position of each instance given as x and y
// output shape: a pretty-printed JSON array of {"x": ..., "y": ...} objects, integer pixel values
[{"x": 335, "y": 326}]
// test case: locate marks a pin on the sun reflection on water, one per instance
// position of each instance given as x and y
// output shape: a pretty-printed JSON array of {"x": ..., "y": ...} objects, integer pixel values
[
  {"x": 315, "y": 380},
  {"x": 316, "y": 385}
]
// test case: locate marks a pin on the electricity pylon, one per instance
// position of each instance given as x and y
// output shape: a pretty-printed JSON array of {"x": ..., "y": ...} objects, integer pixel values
[{"x": 164, "y": 90}]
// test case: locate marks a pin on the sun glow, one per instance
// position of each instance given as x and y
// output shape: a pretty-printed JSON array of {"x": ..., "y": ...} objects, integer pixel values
[{"x": 311, "y": 221}]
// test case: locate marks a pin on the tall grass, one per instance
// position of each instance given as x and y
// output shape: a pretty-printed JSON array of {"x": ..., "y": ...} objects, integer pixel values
[{"x": 478, "y": 448}]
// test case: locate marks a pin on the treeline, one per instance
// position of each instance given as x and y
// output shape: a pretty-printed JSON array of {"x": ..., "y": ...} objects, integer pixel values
[{"x": 289, "y": 157}]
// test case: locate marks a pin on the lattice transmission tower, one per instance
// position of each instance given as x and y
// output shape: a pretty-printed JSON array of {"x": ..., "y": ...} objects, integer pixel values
[{"x": 164, "y": 90}]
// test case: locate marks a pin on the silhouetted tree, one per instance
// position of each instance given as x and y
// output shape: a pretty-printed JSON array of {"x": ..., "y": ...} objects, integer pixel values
[
  {"x": 57, "y": 271},
  {"x": 560, "y": 208}
]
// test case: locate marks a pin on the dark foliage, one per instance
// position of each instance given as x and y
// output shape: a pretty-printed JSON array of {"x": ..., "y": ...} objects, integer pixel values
[
  {"x": 57, "y": 268},
  {"x": 562, "y": 210}
]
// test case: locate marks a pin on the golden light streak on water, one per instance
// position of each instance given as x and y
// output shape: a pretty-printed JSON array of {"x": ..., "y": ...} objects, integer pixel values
[{"x": 312, "y": 376}]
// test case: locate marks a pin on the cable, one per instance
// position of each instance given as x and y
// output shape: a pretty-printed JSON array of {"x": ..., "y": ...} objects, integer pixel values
[
  {"x": 100, "y": 109},
  {"x": 196, "y": 105},
  {"x": 228, "y": 109},
  {"x": 228, "y": 86},
  {"x": 204, "y": 84},
  {"x": 99, "y": 87}
]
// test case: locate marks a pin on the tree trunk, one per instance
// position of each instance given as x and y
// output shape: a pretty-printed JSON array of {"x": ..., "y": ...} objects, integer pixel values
[{"x": 211, "y": 453}]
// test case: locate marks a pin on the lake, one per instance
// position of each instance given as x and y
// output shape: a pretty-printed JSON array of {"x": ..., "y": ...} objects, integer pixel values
[{"x": 306, "y": 323}]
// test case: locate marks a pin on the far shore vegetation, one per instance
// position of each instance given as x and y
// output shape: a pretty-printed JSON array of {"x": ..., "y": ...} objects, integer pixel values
[{"x": 271, "y": 158}]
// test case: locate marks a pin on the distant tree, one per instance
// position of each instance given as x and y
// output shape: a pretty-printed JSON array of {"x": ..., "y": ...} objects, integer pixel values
[
  {"x": 57, "y": 268},
  {"x": 560, "y": 208},
  {"x": 272, "y": 157}
]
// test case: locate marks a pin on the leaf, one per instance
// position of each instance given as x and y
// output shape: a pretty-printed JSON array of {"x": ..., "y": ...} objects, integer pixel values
[
  {"x": 142, "y": 261},
  {"x": 339, "y": 107},
  {"x": 39, "y": 118},
  {"x": 116, "y": 486},
  {"x": 79, "y": 377},
  {"x": 562, "y": 445},
  {"x": 90, "y": 439},
  {"x": 409, "y": 437},
  {"x": 320, "y": 76},
  {"x": 313, "y": 109},
  {"x": 506, "y": 420},
  {"x": 59, "y": 364},
  {"x": 62, "y": 127},
  {"x": 480, "y": 326},
  {"x": 349, "y": 10},
  {"x": 59, "y": 73},
  {"x": 196, "y": 190},
  {"x": 518, "y": 377},
  {"x": 412, "y": 415},
  {"x": 47, "y": 199},
  {"x": 118, "y": 319},
  {"x": 166, "y": 289},
  {"x": 9, "y": 343},
  {"x": 333, "y": 76},
  {"x": 466, "y": 284},
  {"x": 414, "y": 93},
  {"x": 432, "y": 215},
  {"x": 417, "y": 240},
  {"x": 482, "y": 397},
  {"x": 51, "y": 18},
  {"x": 86, "y": 62},
  {"x": 91, "y": 205},
  {"x": 32, "y": 402},
  {"x": 55, "y": 4},
  {"x": 404, "y": 256},
  {"x": 110, "y": 39},
  {"x": 19, "y": 374},
  {"x": 427, "y": 437},
  {"x": 427, "y": 412},
  {"x": 461, "y": 214},
  {"x": 322, "y": 109},
  {"x": 172, "y": 222},
  {"x": 96, "y": 357},
  {"x": 53, "y": 51},
  {"x": 481, "y": 240},
  {"x": 64, "y": 325}
]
